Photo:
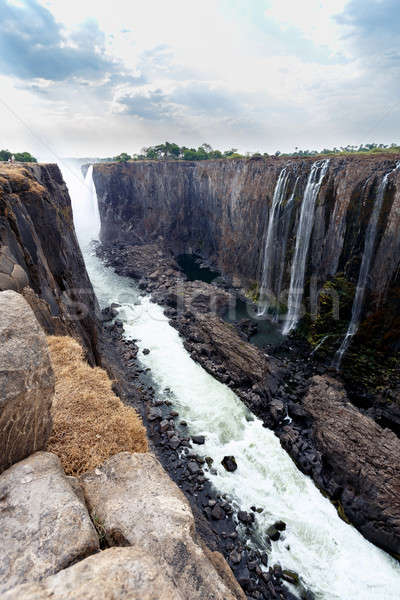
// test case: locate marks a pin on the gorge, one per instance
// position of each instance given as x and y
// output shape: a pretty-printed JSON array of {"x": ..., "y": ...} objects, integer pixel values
[
  {"x": 160, "y": 203},
  {"x": 286, "y": 418}
]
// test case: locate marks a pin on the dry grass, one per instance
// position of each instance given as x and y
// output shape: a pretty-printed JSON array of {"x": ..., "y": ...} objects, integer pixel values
[{"x": 90, "y": 423}]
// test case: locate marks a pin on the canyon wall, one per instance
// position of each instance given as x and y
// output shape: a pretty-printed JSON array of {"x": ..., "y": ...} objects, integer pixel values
[
  {"x": 40, "y": 255},
  {"x": 220, "y": 209}
]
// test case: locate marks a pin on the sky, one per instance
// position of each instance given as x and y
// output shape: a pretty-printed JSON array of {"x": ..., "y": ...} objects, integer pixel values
[{"x": 96, "y": 78}]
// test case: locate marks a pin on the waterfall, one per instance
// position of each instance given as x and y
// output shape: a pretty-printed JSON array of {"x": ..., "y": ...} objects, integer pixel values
[
  {"x": 362, "y": 282},
  {"x": 282, "y": 236},
  {"x": 84, "y": 203},
  {"x": 303, "y": 237},
  {"x": 270, "y": 243}
]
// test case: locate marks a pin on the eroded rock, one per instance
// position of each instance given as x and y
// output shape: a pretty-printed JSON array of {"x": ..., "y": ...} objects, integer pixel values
[
  {"x": 26, "y": 381},
  {"x": 139, "y": 505},
  {"x": 44, "y": 524},
  {"x": 114, "y": 574}
]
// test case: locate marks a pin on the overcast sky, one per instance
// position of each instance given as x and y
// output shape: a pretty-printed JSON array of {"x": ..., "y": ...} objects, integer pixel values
[{"x": 95, "y": 78}]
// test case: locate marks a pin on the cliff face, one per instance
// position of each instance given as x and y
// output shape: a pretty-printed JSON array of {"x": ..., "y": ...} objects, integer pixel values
[
  {"x": 221, "y": 209},
  {"x": 40, "y": 255}
]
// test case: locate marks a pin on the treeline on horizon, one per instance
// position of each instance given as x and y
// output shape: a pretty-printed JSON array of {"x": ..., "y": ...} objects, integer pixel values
[
  {"x": 5, "y": 155},
  {"x": 172, "y": 151}
]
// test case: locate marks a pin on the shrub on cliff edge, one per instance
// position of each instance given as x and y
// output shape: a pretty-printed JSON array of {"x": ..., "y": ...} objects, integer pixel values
[{"x": 90, "y": 421}]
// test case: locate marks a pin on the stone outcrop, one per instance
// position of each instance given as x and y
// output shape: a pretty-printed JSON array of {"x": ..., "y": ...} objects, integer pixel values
[
  {"x": 45, "y": 526},
  {"x": 138, "y": 505},
  {"x": 40, "y": 254},
  {"x": 114, "y": 574},
  {"x": 363, "y": 459},
  {"x": 26, "y": 381}
]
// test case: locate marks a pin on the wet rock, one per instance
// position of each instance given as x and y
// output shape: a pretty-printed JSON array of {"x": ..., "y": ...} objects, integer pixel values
[
  {"x": 198, "y": 439},
  {"x": 245, "y": 517},
  {"x": 280, "y": 525},
  {"x": 229, "y": 463},
  {"x": 273, "y": 533},
  {"x": 146, "y": 351},
  {"x": 290, "y": 576}
]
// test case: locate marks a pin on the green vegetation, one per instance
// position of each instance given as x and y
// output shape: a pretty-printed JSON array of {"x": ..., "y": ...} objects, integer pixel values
[
  {"x": 5, "y": 155},
  {"x": 172, "y": 151}
]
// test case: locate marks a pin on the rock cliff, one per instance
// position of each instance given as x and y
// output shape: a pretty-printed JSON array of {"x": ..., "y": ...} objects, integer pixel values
[
  {"x": 40, "y": 254},
  {"x": 221, "y": 208}
]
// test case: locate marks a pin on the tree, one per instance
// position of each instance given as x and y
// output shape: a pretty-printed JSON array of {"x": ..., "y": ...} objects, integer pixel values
[
  {"x": 123, "y": 157},
  {"x": 24, "y": 157},
  {"x": 5, "y": 155}
]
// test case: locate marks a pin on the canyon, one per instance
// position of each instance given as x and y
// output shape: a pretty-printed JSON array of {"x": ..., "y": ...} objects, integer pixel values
[{"x": 150, "y": 214}]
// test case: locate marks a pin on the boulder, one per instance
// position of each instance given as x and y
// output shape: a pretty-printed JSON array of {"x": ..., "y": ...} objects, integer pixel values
[
  {"x": 116, "y": 573},
  {"x": 139, "y": 505},
  {"x": 26, "y": 381},
  {"x": 229, "y": 463},
  {"x": 44, "y": 524}
]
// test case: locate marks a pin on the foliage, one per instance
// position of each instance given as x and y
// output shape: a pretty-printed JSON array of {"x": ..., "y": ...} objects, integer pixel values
[
  {"x": 172, "y": 151},
  {"x": 18, "y": 156},
  {"x": 123, "y": 157}
]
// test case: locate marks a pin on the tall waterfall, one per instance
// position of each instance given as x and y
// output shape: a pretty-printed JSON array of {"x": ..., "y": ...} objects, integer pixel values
[
  {"x": 363, "y": 275},
  {"x": 270, "y": 243},
  {"x": 303, "y": 237},
  {"x": 282, "y": 237},
  {"x": 84, "y": 203}
]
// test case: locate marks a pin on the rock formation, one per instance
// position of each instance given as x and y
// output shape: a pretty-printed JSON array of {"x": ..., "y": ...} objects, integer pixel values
[
  {"x": 26, "y": 381},
  {"x": 40, "y": 254}
]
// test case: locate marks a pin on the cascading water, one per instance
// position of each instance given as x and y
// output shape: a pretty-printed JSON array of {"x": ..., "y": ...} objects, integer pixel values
[
  {"x": 362, "y": 282},
  {"x": 303, "y": 237},
  {"x": 282, "y": 237},
  {"x": 333, "y": 559},
  {"x": 270, "y": 243}
]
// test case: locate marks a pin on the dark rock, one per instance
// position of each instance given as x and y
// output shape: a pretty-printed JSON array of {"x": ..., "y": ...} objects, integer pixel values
[
  {"x": 146, "y": 351},
  {"x": 290, "y": 576},
  {"x": 229, "y": 463},
  {"x": 273, "y": 533},
  {"x": 198, "y": 439},
  {"x": 193, "y": 468},
  {"x": 280, "y": 525},
  {"x": 245, "y": 517},
  {"x": 235, "y": 557},
  {"x": 217, "y": 513}
]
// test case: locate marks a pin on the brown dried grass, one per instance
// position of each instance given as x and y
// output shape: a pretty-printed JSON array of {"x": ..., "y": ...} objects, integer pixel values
[{"x": 90, "y": 423}]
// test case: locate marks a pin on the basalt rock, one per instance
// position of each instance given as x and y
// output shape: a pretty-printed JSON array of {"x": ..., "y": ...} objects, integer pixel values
[
  {"x": 220, "y": 209},
  {"x": 362, "y": 458},
  {"x": 40, "y": 255}
]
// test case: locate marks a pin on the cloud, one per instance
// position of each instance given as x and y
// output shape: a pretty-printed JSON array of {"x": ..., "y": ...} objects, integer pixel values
[
  {"x": 145, "y": 104},
  {"x": 34, "y": 46}
]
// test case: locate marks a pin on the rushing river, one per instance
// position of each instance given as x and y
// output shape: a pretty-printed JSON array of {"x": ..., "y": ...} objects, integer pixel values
[{"x": 332, "y": 558}]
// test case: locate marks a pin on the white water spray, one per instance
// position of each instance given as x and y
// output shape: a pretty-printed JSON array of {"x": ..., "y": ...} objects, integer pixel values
[
  {"x": 303, "y": 237},
  {"x": 332, "y": 558},
  {"x": 270, "y": 243},
  {"x": 363, "y": 275}
]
